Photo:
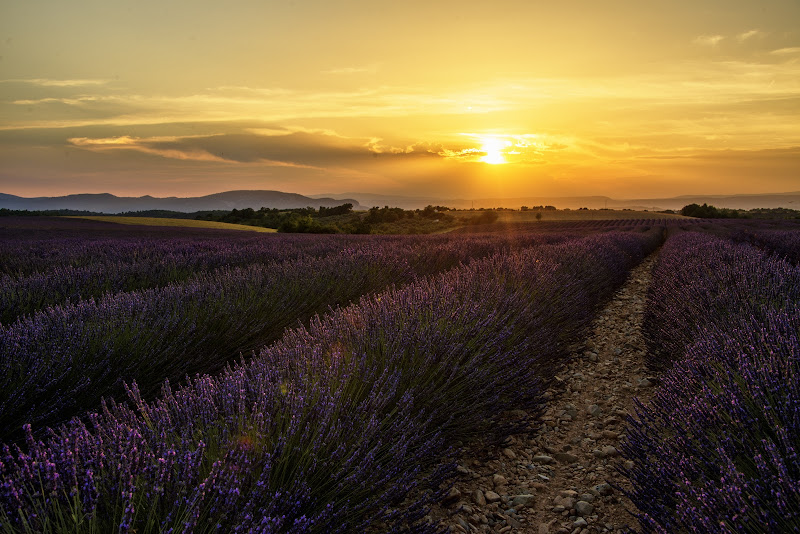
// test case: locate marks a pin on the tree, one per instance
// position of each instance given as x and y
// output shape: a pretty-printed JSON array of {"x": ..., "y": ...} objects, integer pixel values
[{"x": 344, "y": 209}]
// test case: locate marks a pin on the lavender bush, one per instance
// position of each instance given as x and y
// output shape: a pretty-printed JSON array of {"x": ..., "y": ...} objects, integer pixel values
[
  {"x": 700, "y": 281},
  {"x": 784, "y": 243},
  {"x": 716, "y": 450}
]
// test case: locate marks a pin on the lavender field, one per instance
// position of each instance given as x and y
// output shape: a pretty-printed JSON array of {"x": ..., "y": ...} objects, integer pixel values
[{"x": 185, "y": 380}]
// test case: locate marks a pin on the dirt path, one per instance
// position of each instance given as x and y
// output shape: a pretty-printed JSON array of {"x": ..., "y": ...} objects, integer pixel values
[{"x": 560, "y": 478}]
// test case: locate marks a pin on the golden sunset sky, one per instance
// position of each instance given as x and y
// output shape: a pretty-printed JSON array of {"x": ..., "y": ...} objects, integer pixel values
[{"x": 628, "y": 99}]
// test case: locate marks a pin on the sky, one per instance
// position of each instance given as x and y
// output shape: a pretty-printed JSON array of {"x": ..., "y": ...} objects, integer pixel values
[{"x": 464, "y": 99}]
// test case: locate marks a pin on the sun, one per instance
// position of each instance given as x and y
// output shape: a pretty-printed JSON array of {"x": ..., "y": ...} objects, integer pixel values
[{"x": 493, "y": 147}]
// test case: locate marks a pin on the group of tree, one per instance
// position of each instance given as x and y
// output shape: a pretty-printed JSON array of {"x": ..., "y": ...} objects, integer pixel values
[
  {"x": 707, "y": 211},
  {"x": 338, "y": 219},
  {"x": 388, "y": 215},
  {"x": 292, "y": 220},
  {"x": 538, "y": 208}
]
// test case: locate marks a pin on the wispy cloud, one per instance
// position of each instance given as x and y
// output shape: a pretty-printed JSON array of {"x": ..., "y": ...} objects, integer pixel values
[
  {"x": 51, "y": 100},
  {"x": 709, "y": 40},
  {"x": 46, "y": 82},
  {"x": 744, "y": 36},
  {"x": 262, "y": 104},
  {"x": 786, "y": 51},
  {"x": 153, "y": 146},
  {"x": 368, "y": 69},
  {"x": 293, "y": 148}
]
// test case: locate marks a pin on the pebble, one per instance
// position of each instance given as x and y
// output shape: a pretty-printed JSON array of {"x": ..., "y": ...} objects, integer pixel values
[
  {"x": 566, "y": 502},
  {"x": 580, "y": 522},
  {"x": 491, "y": 496},
  {"x": 499, "y": 480},
  {"x": 565, "y": 457},
  {"x": 452, "y": 497},
  {"x": 583, "y": 508},
  {"x": 523, "y": 500},
  {"x": 608, "y": 450}
]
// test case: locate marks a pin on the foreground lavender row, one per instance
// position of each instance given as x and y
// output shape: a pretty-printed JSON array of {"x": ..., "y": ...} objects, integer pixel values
[
  {"x": 60, "y": 361},
  {"x": 717, "y": 448},
  {"x": 339, "y": 427}
]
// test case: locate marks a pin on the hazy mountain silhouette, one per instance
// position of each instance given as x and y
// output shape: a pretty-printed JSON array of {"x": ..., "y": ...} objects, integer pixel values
[{"x": 108, "y": 203}]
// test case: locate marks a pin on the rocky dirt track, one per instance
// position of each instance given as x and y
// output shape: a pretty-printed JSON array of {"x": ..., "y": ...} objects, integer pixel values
[{"x": 561, "y": 477}]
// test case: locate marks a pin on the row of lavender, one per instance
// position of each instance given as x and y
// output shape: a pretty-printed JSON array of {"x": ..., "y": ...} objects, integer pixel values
[
  {"x": 61, "y": 360},
  {"x": 342, "y": 426},
  {"x": 776, "y": 236},
  {"x": 47, "y": 272},
  {"x": 716, "y": 450},
  {"x": 38, "y": 272},
  {"x": 590, "y": 225},
  {"x": 784, "y": 243}
]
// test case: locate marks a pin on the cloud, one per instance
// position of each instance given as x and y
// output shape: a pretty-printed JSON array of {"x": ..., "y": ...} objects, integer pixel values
[
  {"x": 370, "y": 69},
  {"x": 709, "y": 40},
  {"x": 688, "y": 83},
  {"x": 46, "y": 82},
  {"x": 81, "y": 108},
  {"x": 145, "y": 146},
  {"x": 786, "y": 51},
  {"x": 293, "y": 147},
  {"x": 748, "y": 35},
  {"x": 52, "y": 100}
]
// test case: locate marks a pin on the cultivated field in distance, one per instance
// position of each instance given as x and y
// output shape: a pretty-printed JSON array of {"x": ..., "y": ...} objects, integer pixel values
[{"x": 159, "y": 221}]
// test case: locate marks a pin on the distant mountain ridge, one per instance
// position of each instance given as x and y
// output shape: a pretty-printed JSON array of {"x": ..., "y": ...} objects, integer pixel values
[{"x": 108, "y": 203}]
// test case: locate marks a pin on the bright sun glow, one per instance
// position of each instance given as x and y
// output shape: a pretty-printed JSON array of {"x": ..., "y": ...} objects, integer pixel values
[{"x": 494, "y": 150}]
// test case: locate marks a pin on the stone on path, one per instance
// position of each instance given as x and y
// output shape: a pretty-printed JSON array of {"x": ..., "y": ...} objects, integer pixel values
[
  {"x": 565, "y": 457},
  {"x": 583, "y": 508},
  {"x": 492, "y": 496}
]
